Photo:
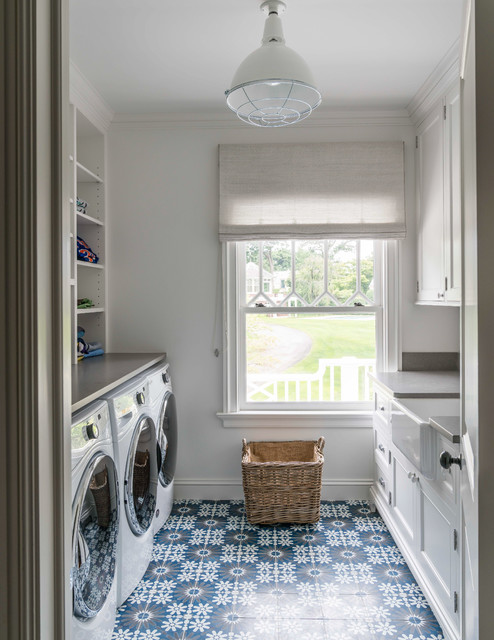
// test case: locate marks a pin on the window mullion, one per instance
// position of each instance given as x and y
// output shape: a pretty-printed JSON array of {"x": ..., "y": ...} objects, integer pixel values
[{"x": 358, "y": 283}]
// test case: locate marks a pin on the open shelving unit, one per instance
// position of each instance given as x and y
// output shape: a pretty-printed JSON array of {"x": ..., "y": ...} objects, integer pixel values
[{"x": 88, "y": 280}]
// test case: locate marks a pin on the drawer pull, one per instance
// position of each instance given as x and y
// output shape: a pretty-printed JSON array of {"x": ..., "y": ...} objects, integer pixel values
[
  {"x": 381, "y": 407},
  {"x": 413, "y": 476},
  {"x": 381, "y": 448},
  {"x": 382, "y": 483}
]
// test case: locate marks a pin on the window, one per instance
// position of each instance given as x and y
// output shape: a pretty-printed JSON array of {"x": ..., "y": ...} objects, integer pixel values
[{"x": 307, "y": 338}]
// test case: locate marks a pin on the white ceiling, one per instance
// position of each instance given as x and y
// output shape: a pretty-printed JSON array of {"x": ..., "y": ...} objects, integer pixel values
[{"x": 168, "y": 56}]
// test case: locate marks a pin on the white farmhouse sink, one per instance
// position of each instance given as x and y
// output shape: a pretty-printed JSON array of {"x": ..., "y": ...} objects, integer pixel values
[{"x": 411, "y": 432}]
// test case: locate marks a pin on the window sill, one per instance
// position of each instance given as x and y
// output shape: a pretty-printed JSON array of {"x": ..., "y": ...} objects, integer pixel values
[{"x": 297, "y": 419}]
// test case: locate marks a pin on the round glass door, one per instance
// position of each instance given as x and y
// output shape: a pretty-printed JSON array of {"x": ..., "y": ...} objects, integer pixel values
[
  {"x": 167, "y": 440},
  {"x": 95, "y": 524},
  {"x": 141, "y": 477}
]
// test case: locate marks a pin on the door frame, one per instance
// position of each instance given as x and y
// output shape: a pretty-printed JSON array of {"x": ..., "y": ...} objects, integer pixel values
[
  {"x": 34, "y": 332},
  {"x": 477, "y": 317}
]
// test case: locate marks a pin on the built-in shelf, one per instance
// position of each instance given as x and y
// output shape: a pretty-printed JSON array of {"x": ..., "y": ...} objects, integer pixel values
[
  {"x": 83, "y": 219},
  {"x": 86, "y": 175},
  {"x": 87, "y": 185},
  {"x": 91, "y": 310},
  {"x": 91, "y": 265}
]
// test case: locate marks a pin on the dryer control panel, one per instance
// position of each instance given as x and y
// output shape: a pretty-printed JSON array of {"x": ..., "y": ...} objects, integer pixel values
[{"x": 91, "y": 428}]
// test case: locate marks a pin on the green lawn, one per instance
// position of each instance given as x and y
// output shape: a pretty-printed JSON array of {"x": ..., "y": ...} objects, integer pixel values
[{"x": 332, "y": 336}]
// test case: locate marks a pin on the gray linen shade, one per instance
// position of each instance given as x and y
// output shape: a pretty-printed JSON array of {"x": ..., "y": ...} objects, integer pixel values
[{"x": 320, "y": 190}]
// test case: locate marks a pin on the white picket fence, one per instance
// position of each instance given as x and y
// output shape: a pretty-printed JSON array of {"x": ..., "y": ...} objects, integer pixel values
[{"x": 316, "y": 387}]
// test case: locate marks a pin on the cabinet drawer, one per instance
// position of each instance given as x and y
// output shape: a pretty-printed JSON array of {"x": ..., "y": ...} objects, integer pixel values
[
  {"x": 381, "y": 480},
  {"x": 382, "y": 406},
  {"x": 446, "y": 481},
  {"x": 382, "y": 451}
]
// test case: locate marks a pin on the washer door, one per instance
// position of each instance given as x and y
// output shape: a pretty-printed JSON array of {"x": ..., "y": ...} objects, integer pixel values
[
  {"x": 95, "y": 524},
  {"x": 167, "y": 439},
  {"x": 141, "y": 477}
]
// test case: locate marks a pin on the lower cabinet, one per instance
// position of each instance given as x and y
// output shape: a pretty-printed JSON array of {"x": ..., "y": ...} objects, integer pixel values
[
  {"x": 404, "y": 500},
  {"x": 438, "y": 549},
  {"x": 423, "y": 517}
]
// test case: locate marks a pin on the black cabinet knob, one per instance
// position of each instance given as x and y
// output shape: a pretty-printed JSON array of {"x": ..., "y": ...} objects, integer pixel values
[{"x": 446, "y": 460}]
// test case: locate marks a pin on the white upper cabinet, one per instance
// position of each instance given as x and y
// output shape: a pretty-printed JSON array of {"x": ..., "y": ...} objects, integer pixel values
[
  {"x": 452, "y": 196},
  {"x": 439, "y": 203}
]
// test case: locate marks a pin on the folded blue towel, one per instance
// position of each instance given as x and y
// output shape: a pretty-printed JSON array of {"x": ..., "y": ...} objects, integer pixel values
[{"x": 97, "y": 352}]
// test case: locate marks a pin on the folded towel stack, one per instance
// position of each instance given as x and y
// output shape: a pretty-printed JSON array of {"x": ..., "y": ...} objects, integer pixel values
[{"x": 87, "y": 349}]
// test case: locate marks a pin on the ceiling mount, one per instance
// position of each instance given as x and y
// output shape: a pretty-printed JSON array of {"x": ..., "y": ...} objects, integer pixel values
[
  {"x": 273, "y": 86},
  {"x": 273, "y": 6}
]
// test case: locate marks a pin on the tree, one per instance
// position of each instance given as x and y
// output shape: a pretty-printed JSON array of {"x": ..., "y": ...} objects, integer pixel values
[{"x": 309, "y": 277}]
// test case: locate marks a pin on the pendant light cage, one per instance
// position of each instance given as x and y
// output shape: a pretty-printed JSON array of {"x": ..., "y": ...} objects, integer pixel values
[
  {"x": 273, "y": 103},
  {"x": 273, "y": 86}
]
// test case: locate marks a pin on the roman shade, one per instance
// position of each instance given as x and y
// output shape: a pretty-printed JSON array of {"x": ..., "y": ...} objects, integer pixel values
[{"x": 321, "y": 190}]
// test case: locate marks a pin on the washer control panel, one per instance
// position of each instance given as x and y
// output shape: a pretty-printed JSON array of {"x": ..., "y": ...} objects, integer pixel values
[{"x": 91, "y": 428}]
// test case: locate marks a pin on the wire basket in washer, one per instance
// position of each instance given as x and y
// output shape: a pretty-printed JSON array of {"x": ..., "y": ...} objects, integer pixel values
[{"x": 282, "y": 481}]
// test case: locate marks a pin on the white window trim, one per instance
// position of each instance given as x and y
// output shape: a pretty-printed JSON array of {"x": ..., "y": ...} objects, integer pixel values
[{"x": 332, "y": 414}]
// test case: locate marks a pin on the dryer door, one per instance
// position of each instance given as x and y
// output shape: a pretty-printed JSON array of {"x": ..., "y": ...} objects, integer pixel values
[
  {"x": 141, "y": 477},
  {"x": 167, "y": 439},
  {"x": 95, "y": 524}
]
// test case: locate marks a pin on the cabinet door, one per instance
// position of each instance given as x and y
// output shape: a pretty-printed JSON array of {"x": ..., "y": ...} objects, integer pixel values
[
  {"x": 404, "y": 499},
  {"x": 439, "y": 554},
  {"x": 452, "y": 196},
  {"x": 430, "y": 207}
]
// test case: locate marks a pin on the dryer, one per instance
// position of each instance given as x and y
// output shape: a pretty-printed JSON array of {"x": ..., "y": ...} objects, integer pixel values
[
  {"x": 95, "y": 524},
  {"x": 134, "y": 439},
  {"x": 164, "y": 412}
]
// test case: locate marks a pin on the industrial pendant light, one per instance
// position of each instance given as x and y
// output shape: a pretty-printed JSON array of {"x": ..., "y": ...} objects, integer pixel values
[{"x": 273, "y": 86}]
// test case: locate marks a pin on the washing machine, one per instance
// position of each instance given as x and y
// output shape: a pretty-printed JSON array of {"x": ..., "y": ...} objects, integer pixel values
[
  {"x": 134, "y": 440},
  {"x": 164, "y": 412},
  {"x": 95, "y": 524}
]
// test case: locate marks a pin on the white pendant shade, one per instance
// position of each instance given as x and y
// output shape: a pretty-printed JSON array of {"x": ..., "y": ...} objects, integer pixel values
[{"x": 273, "y": 86}]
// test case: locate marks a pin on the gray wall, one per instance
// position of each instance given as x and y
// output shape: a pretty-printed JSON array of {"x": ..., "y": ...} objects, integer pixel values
[{"x": 164, "y": 275}]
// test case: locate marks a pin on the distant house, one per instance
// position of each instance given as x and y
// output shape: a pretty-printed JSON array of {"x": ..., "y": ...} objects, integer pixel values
[
  {"x": 282, "y": 281},
  {"x": 252, "y": 276}
]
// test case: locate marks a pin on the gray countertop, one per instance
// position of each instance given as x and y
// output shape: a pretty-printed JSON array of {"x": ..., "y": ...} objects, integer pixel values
[
  {"x": 93, "y": 377},
  {"x": 419, "y": 384},
  {"x": 448, "y": 426}
]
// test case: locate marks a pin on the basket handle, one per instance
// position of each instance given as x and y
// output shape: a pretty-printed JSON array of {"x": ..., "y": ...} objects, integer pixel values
[
  {"x": 320, "y": 444},
  {"x": 244, "y": 447}
]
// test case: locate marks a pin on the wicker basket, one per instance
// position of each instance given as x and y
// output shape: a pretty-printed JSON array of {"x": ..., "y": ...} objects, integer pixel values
[
  {"x": 282, "y": 481},
  {"x": 141, "y": 474},
  {"x": 101, "y": 494}
]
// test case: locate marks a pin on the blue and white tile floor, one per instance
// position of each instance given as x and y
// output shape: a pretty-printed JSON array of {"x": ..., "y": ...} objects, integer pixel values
[{"x": 216, "y": 577}]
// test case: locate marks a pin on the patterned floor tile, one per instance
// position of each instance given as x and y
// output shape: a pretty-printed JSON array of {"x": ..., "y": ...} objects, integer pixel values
[{"x": 214, "y": 576}]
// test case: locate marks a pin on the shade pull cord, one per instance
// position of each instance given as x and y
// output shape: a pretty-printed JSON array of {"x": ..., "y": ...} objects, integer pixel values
[{"x": 219, "y": 282}]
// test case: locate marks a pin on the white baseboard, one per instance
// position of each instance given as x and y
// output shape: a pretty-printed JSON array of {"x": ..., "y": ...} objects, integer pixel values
[{"x": 231, "y": 489}]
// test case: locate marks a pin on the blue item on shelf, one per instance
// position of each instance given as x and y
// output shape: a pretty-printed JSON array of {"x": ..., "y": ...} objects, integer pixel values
[{"x": 84, "y": 252}]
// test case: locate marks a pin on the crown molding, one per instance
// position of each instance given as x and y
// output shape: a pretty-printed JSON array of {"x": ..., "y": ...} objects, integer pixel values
[
  {"x": 85, "y": 97},
  {"x": 443, "y": 76},
  {"x": 225, "y": 120}
]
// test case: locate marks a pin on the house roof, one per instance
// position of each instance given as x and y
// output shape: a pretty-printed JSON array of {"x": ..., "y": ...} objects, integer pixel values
[{"x": 252, "y": 271}]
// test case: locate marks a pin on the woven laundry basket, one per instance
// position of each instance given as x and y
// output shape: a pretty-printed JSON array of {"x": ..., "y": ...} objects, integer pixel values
[
  {"x": 282, "y": 481},
  {"x": 142, "y": 470},
  {"x": 101, "y": 494}
]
